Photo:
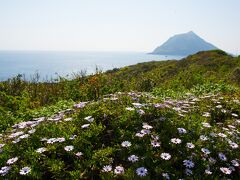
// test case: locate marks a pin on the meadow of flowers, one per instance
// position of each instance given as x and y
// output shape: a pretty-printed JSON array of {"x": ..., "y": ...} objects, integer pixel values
[{"x": 131, "y": 136}]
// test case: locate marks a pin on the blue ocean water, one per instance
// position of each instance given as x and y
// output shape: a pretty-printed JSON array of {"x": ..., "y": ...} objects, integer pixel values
[{"x": 48, "y": 63}]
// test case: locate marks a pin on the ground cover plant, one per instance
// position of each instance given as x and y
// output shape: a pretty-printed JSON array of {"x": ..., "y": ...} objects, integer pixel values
[{"x": 128, "y": 135}]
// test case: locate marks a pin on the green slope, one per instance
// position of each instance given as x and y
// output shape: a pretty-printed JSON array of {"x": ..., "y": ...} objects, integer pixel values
[
  {"x": 186, "y": 126},
  {"x": 207, "y": 66}
]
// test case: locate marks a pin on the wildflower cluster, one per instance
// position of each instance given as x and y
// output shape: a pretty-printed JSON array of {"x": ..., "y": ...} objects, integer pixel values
[{"x": 128, "y": 135}]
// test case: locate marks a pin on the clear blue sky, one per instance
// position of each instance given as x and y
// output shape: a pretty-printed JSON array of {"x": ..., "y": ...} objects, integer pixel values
[{"x": 115, "y": 25}]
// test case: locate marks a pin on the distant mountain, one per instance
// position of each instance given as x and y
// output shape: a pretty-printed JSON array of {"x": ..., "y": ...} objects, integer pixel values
[{"x": 184, "y": 44}]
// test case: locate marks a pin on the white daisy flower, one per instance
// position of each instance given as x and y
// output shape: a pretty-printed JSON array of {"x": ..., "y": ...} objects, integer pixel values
[
  {"x": 12, "y": 160},
  {"x": 119, "y": 170},
  {"x": 32, "y": 131},
  {"x": 79, "y": 154},
  {"x": 16, "y": 134},
  {"x": 72, "y": 137},
  {"x": 206, "y": 114},
  {"x": 141, "y": 171},
  {"x": 235, "y": 163},
  {"x": 4, "y": 170},
  {"x": 207, "y": 171},
  {"x": 225, "y": 129},
  {"x": 43, "y": 139},
  {"x": 205, "y": 151},
  {"x": 223, "y": 110},
  {"x": 190, "y": 145},
  {"x": 69, "y": 148},
  {"x": 140, "y": 111},
  {"x": 89, "y": 119},
  {"x": 155, "y": 144},
  {"x": 60, "y": 139},
  {"x": 166, "y": 175},
  {"x": 203, "y": 138},
  {"x": 80, "y": 105},
  {"x": 188, "y": 172},
  {"x": 68, "y": 119},
  {"x": 145, "y": 131},
  {"x": 113, "y": 98},
  {"x": 85, "y": 126},
  {"x": 107, "y": 168},
  {"x": 176, "y": 108},
  {"x": 139, "y": 134},
  {"x": 137, "y": 105},
  {"x": 233, "y": 145},
  {"x": 25, "y": 170},
  {"x": 133, "y": 158},
  {"x": 51, "y": 140},
  {"x": 165, "y": 156},
  {"x": 146, "y": 126},
  {"x": 16, "y": 141},
  {"x": 130, "y": 109},
  {"x": 41, "y": 150},
  {"x": 222, "y": 135},
  {"x": 159, "y": 105},
  {"x": 231, "y": 126},
  {"x": 188, "y": 163},
  {"x": 225, "y": 170},
  {"x": 222, "y": 156},
  {"x": 181, "y": 130},
  {"x": 24, "y": 136},
  {"x": 219, "y": 106},
  {"x": 234, "y": 115},
  {"x": 176, "y": 140},
  {"x": 126, "y": 144}
]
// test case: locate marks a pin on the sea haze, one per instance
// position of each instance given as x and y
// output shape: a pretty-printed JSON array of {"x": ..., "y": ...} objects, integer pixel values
[{"x": 48, "y": 63}]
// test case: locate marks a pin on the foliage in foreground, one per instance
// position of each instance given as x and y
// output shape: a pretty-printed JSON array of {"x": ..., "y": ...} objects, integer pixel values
[
  {"x": 128, "y": 135},
  {"x": 187, "y": 127}
]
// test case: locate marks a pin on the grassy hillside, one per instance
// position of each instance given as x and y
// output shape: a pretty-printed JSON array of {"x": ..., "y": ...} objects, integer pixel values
[
  {"x": 177, "y": 119},
  {"x": 202, "y": 69},
  {"x": 209, "y": 66}
]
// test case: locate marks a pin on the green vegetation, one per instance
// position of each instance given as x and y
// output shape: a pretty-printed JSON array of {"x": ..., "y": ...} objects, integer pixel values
[{"x": 177, "y": 119}]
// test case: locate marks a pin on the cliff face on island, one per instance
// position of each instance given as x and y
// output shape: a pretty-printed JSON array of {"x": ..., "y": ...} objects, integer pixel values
[{"x": 184, "y": 44}]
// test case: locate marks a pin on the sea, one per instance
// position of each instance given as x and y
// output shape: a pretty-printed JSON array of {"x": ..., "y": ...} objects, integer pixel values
[{"x": 51, "y": 64}]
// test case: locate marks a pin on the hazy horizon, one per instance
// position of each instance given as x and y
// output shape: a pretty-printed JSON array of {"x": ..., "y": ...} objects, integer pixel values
[{"x": 127, "y": 25}]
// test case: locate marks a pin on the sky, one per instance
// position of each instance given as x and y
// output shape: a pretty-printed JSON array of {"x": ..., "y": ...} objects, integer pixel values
[{"x": 115, "y": 25}]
